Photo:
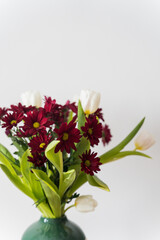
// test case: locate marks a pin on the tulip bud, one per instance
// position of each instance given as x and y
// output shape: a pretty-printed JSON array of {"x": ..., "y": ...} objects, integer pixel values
[
  {"x": 144, "y": 141},
  {"x": 90, "y": 101},
  {"x": 85, "y": 203},
  {"x": 31, "y": 98}
]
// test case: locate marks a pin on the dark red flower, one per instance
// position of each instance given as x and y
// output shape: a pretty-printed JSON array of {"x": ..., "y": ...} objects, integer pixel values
[
  {"x": 92, "y": 130},
  {"x": 21, "y": 108},
  {"x": 68, "y": 135},
  {"x": 49, "y": 104},
  {"x": 90, "y": 163},
  {"x": 37, "y": 159},
  {"x": 40, "y": 142},
  {"x": 98, "y": 114},
  {"x": 34, "y": 122},
  {"x": 106, "y": 135},
  {"x": 11, "y": 119},
  {"x": 3, "y": 111}
]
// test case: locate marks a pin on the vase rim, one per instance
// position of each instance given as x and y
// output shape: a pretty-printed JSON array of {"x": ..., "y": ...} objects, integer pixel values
[{"x": 51, "y": 220}]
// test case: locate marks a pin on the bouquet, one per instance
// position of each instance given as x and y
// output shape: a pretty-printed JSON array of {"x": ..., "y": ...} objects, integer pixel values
[{"x": 54, "y": 153}]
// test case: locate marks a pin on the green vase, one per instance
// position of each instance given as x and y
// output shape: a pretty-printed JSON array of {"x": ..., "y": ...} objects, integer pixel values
[{"x": 54, "y": 229}]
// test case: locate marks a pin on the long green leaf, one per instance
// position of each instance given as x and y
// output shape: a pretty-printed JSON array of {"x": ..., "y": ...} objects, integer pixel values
[
  {"x": 43, "y": 176},
  {"x": 55, "y": 158},
  {"x": 50, "y": 192},
  {"x": 82, "y": 147},
  {"x": 68, "y": 179},
  {"x": 121, "y": 145},
  {"x": 96, "y": 182},
  {"x": 125, "y": 154},
  {"x": 4, "y": 160},
  {"x": 81, "y": 179},
  {"x": 17, "y": 182},
  {"x": 10, "y": 158},
  {"x": 81, "y": 116}
]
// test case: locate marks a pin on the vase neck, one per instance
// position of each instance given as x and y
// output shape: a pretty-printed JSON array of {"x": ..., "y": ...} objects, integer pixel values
[{"x": 53, "y": 220}]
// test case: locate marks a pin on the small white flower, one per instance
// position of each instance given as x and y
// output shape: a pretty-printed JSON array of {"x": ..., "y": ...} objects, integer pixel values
[
  {"x": 85, "y": 203},
  {"x": 144, "y": 141},
  {"x": 31, "y": 98},
  {"x": 90, "y": 101}
]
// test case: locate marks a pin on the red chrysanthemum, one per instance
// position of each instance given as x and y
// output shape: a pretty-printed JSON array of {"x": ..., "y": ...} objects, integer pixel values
[
  {"x": 90, "y": 163},
  {"x": 98, "y": 114},
  {"x": 92, "y": 130},
  {"x": 68, "y": 135},
  {"x": 11, "y": 119},
  {"x": 106, "y": 135},
  {"x": 34, "y": 122},
  {"x": 21, "y": 108},
  {"x": 40, "y": 142},
  {"x": 37, "y": 159},
  {"x": 3, "y": 111}
]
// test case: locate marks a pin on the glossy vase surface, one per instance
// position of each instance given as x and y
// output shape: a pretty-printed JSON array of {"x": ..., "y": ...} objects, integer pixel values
[{"x": 53, "y": 229}]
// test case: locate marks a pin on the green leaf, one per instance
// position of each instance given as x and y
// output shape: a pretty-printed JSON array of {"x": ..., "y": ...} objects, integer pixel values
[
  {"x": 43, "y": 176},
  {"x": 104, "y": 158},
  {"x": 82, "y": 146},
  {"x": 4, "y": 160},
  {"x": 96, "y": 182},
  {"x": 125, "y": 154},
  {"x": 81, "y": 116},
  {"x": 81, "y": 179},
  {"x": 17, "y": 182},
  {"x": 10, "y": 158},
  {"x": 55, "y": 158},
  {"x": 68, "y": 179},
  {"x": 50, "y": 192},
  {"x": 20, "y": 145},
  {"x": 30, "y": 177}
]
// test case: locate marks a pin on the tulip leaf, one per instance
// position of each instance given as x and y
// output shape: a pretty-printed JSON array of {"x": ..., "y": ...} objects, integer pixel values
[
  {"x": 81, "y": 116},
  {"x": 4, "y": 160},
  {"x": 125, "y": 154},
  {"x": 80, "y": 180},
  {"x": 104, "y": 158},
  {"x": 30, "y": 177},
  {"x": 82, "y": 147},
  {"x": 17, "y": 182},
  {"x": 43, "y": 176},
  {"x": 68, "y": 179},
  {"x": 50, "y": 191},
  {"x": 96, "y": 182},
  {"x": 55, "y": 158},
  {"x": 10, "y": 158}
]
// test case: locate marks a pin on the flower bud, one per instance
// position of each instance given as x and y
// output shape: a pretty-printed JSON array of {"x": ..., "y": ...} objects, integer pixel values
[
  {"x": 144, "y": 141},
  {"x": 85, "y": 203},
  {"x": 90, "y": 101},
  {"x": 31, "y": 98}
]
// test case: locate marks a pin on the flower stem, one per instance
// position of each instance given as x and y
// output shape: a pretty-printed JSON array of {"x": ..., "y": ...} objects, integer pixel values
[{"x": 69, "y": 207}]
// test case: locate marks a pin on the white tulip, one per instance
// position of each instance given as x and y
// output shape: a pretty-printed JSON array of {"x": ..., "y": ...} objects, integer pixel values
[
  {"x": 31, "y": 98},
  {"x": 144, "y": 141},
  {"x": 85, "y": 203},
  {"x": 90, "y": 101}
]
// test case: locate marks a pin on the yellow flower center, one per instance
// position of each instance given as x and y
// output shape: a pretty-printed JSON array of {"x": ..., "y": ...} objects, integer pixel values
[
  {"x": 36, "y": 124},
  {"x": 13, "y": 122},
  {"x": 90, "y": 131},
  {"x": 42, "y": 145},
  {"x": 87, "y": 163},
  {"x": 65, "y": 136},
  {"x": 87, "y": 112}
]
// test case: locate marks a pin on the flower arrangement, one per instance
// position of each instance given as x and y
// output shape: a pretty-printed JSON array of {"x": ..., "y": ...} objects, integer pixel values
[{"x": 54, "y": 155}]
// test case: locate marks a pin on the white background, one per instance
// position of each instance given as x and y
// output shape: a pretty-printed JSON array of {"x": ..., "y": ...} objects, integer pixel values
[{"x": 59, "y": 47}]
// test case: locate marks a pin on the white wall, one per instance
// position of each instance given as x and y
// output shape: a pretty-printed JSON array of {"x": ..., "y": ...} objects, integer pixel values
[{"x": 60, "y": 47}]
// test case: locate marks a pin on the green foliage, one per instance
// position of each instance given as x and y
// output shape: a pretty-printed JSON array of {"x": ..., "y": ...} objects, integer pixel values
[
  {"x": 96, "y": 182},
  {"x": 81, "y": 116},
  {"x": 110, "y": 154}
]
